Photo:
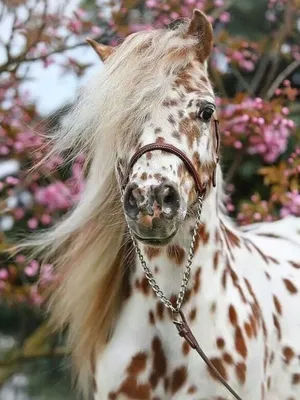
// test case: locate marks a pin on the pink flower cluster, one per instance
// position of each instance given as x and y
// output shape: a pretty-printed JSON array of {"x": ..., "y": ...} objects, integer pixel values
[
  {"x": 243, "y": 54},
  {"x": 62, "y": 195},
  {"x": 292, "y": 204},
  {"x": 258, "y": 126}
]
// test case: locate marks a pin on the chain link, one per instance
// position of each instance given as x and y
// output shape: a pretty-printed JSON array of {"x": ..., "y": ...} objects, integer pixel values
[{"x": 187, "y": 271}]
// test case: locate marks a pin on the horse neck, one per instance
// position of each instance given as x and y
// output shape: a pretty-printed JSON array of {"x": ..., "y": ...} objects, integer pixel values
[{"x": 167, "y": 264}]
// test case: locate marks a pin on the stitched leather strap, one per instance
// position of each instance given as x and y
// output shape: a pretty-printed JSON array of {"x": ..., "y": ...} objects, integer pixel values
[
  {"x": 185, "y": 331},
  {"x": 169, "y": 148}
]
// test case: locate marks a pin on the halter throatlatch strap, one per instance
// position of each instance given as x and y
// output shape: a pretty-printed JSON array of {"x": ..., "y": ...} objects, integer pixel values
[{"x": 185, "y": 331}]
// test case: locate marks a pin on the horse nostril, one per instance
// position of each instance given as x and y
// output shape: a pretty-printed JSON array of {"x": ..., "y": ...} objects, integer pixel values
[
  {"x": 170, "y": 195},
  {"x": 132, "y": 196},
  {"x": 132, "y": 200},
  {"x": 169, "y": 199}
]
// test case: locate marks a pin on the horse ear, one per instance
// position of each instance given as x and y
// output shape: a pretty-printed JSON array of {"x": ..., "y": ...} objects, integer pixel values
[
  {"x": 102, "y": 50},
  {"x": 202, "y": 29}
]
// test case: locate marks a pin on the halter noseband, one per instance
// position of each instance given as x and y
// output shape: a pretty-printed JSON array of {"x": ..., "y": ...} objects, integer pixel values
[{"x": 169, "y": 148}]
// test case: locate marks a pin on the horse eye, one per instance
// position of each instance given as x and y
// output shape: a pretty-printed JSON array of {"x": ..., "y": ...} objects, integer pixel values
[{"x": 206, "y": 114}]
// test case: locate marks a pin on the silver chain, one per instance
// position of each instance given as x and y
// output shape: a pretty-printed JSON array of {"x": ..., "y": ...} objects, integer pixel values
[{"x": 187, "y": 272}]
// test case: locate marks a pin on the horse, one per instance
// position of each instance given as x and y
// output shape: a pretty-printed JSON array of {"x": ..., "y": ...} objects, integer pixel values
[{"x": 149, "y": 252}]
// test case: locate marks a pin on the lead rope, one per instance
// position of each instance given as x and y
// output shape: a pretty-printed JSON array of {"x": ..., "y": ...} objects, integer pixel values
[{"x": 182, "y": 325}]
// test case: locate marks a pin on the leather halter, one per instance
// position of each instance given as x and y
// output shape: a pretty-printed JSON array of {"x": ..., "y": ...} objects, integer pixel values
[
  {"x": 181, "y": 323},
  {"x": 169, "y": 148}
]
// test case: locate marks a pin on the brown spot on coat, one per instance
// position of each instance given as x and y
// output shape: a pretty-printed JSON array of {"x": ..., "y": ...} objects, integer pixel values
[
  {"x": 228, "y": 358},
  {"x": 277, "y": 326},
  {"x": 193, "y": 314},
  {"x": 170, "y": 102},
  {"x": 159, "y": 139},
  {"x": 277, "y": 304},
  {"x": 176, "y": 253},
  {"x": 294, "y": 264},
  {"x": 216, "y": 259},
  {"x": 288, "y": 353},
  {"x": 133, "y": 390},
  {"x": 240, "y": 344},
  {"x": 197, "y": 280},
  {"x": 220, "y": 343},
  {"x": 176, "y": 135},
  {"x": 145, "y": 287},
  {"x": 192, "y": 390},
  {"x": 179, "y": 377},
  {"x": 171, "y": 119},
  {"x": 290, "y": 286},
  {"x": 240, "y": 370},
  {"x": 137, "y": 364},
  {"x": 232, "y": 315},
  {"x": 224, "y": 279},
  {"x": 233, "y": 239},
  {"x": 248, "y": 329},
  {"x": 203, "y": 235},
  {"x": 295, "y": 379},
  {"x": 218, "y": 364},
  {"x": 151, "y": 318},
  {"x": 213, "y": 308},
  {"x": 159, "y": 366},
  {"x": 186, "y": 348},
  {"x": 160, "y": 310}
]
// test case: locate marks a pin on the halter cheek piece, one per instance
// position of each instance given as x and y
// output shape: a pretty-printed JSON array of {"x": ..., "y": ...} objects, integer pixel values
[{"x": 179, "y": 319}]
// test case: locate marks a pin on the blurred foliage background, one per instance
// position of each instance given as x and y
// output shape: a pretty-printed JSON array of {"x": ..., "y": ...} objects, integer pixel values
[{"x": 255, "y": 69}]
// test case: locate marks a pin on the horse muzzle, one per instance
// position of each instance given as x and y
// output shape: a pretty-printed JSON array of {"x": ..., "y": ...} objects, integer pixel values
[{"x": 152, "y": 212}]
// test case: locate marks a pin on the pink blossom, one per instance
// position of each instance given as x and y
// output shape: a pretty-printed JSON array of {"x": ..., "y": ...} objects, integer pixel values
[
  {"x": 225, "y": 17},
  {"x": 47, "y": 274},
  {"x": 11, "y": 180},
  {"x": 75, "y": 26},
  {"x": 32, "y": 223},
  {"x": 20, "y": 258},
  {"x": 32, "y": 269},
  {"x": 19, "y": 213},
  {"x": 4, "y": 274},
  {"x": 46, "y": 219},
  {"x": 96, "y": 30}
]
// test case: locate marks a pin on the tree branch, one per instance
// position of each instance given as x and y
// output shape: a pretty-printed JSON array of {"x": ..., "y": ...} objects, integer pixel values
[
  {"x": 21, "y": 58},
  {"x": 234, "y": 166},
  {"x": 21, "y": 358},
  {"x": 259, "y": 73},
  {"x": 286, "y": 72},
  {"x": 241, "y": 79}
]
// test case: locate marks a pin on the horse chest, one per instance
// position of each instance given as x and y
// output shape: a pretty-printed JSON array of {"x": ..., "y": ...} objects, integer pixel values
[
  {"x": 146, "y": 358},
  {"x": 238, "y": 316}
]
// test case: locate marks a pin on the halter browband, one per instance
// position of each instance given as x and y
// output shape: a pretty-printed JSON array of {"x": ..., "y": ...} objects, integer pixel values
[{"x": 169, "y": 148}]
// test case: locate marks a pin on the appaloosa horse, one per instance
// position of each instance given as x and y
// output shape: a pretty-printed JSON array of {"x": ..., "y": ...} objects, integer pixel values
[{"x": 147, "y": 124}]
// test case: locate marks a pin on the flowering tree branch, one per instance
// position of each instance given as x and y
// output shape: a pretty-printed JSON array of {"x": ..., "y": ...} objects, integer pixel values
[{"x": 281, "y": 77}]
